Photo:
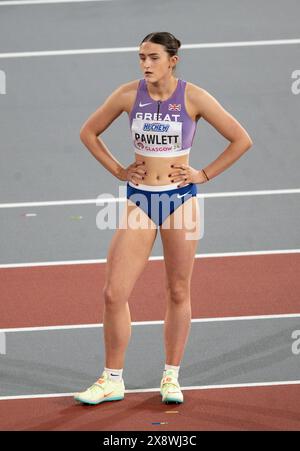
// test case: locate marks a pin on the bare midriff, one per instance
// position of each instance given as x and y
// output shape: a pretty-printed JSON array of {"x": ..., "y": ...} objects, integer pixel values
[{"x": 159, "y": 168}]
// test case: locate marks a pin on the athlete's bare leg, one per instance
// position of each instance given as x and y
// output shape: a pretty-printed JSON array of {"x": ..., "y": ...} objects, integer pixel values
[
  {"x": 179, "y": 253},
  {"x": 128, "y": 254}
]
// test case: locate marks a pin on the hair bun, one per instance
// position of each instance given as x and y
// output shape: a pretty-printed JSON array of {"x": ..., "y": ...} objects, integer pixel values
[{"x": 165, "y": 39}]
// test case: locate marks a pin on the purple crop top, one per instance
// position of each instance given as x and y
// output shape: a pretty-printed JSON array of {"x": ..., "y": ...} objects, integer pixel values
[{"x": 161, "y": 128}]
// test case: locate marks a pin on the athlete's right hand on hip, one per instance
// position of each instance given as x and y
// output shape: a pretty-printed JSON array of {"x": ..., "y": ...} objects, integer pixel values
[{"x": 135, "y": 172}]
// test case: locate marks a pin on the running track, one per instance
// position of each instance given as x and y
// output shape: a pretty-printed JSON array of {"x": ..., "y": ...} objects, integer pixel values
[{"x": 241, "y": 370}]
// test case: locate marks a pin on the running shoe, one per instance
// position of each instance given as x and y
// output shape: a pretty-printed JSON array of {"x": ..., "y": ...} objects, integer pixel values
[
  {"x": 170, "y": 388},
  {"x": 102, "y": 390}
]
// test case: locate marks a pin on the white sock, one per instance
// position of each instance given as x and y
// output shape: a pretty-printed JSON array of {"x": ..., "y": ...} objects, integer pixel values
[
  {"x": 114, "y": 375},
  {"x": 175, "y": 369}
]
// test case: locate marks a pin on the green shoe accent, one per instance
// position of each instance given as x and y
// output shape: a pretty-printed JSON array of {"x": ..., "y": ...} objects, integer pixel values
[{"x": 102, "y": 390}]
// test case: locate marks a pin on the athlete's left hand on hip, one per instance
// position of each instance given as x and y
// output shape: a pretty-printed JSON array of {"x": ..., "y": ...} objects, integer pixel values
[{"x": 185, "y": 174}]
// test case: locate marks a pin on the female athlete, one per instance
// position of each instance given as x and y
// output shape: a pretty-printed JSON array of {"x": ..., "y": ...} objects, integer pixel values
[{"x": 163, "y": 112}]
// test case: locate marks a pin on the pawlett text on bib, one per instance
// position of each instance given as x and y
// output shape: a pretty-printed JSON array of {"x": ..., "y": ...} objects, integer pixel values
[{"x": 156, "y": 137}]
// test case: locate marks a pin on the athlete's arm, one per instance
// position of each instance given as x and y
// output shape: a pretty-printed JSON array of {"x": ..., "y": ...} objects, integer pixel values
[
  {"x": 206, "y": 106},
  {"x": 97, "y": 123},
  {"x": 100, "y": 120}
]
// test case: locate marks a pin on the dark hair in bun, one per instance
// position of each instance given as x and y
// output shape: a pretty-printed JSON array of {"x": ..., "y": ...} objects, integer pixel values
[{"x": 168, "y": 40}]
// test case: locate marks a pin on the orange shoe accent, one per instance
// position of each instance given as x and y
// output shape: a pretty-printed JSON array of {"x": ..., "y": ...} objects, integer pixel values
[{"x": 105, "y": 396}]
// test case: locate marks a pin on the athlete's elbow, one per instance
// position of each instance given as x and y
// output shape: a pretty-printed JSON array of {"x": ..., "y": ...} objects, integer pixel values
[
  {"x": 82, "y": 133},
  {"x": 246, "y": 142},
  {"x": 85, "y": 134}
]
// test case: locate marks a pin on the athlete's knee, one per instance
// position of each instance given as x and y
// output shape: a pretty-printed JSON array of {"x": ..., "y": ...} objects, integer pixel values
[
  {"x": 113, "y": 295},
  {"x": 179, "y": 293}
]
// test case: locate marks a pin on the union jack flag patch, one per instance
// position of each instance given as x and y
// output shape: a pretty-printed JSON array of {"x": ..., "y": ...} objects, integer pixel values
[{"x": 174, "y": 107}]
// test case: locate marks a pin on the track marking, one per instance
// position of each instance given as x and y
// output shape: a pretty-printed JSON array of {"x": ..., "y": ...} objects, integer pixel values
[
  {"x": 151, "y": 323},
  {"x": 123, "y": 199},
  {"x": 135, "y": 49},
  {"x": 104, "y": 260},
  {"x": 39, "y": 2},
  {"x": 150, "y": 390},
  {"x": 159, "y": 257}
]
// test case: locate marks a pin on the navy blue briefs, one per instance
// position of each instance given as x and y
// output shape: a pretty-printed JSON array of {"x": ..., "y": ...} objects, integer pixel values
[{"x": 158, "y": 205}]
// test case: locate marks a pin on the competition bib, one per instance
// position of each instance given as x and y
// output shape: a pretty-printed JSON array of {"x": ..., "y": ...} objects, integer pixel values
[{"x": 153, "y": 137}]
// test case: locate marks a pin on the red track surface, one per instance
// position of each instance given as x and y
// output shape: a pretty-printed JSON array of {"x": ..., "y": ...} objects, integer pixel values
[
  {"x": 231, "y": 286},
  {"x": 255, "y": 408},
  {"x": 228, "y": 286}
]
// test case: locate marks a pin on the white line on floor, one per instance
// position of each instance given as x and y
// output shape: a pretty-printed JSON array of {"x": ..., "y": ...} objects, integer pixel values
[
  {"x": 149, "y": 390},
  {"x": 150, "y": 323},
  {"x": 39, "y": 2},
  {"x": 123, "y": 199},
  {"x": 135, "y": 49},
  {"x": 151, "y": 258}
]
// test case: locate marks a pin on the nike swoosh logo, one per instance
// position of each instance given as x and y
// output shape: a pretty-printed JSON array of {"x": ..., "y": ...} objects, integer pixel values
[
  {"x": 105, "y": 396},
  {"x": 141, "y": 105},
  {"x": 181, "y": 195}
]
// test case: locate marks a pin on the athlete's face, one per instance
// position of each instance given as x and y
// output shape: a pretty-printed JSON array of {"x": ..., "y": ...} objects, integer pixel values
[{"x": 155, "y": 62}]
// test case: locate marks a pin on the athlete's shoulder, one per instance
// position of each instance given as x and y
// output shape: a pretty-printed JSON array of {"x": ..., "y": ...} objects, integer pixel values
[
  {"x": 193, "y": 99},
  {"x": 128, "y": 91},
  {"x": 193, "y": 91},
  {"x": 198, "y": 98},
  {"x": 129, "y": 87}
]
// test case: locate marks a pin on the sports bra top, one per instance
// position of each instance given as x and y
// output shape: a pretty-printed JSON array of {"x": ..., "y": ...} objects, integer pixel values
[{"x": 161, "y": 128}]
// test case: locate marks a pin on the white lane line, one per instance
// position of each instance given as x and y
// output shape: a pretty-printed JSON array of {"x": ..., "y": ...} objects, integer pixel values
[
  {"x": 242, "y": 43},
  {"x": 39, "y": 2},
  {"x": 150, "y": 323},
  {"x": 150, "y": 390},
  {"x": 54, "y": 263},
  {"x": 159, "y": 257},
  {"x": 250, "y": 193},
  {"x": 135, "y": 49},
  {"x": 68, "y": 52},
  {"x": 63, "y": 202},
  {"x": 123, "y": 199}
]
